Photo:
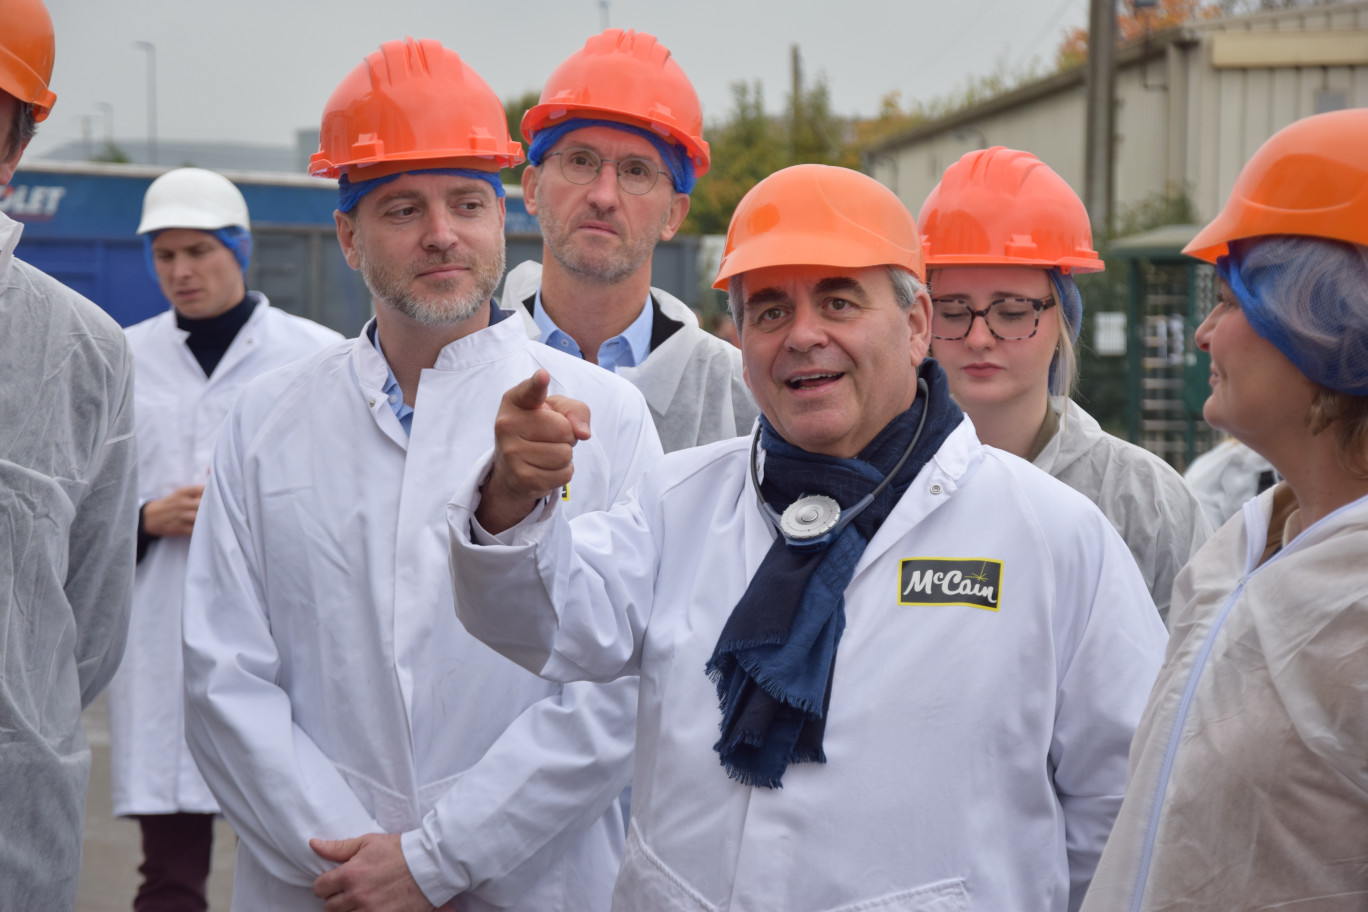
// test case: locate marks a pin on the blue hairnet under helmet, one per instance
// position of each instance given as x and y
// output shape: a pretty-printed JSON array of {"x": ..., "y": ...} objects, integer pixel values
[
  {"x": 238, "y": 240},
  {"x": 1071, "y": 307},
  {"x": 349, "y": 192},
  {"x": 1309, "y": 297},
  {"x": 676, "y": 159},
  {"x": 1070, "y": 301}
]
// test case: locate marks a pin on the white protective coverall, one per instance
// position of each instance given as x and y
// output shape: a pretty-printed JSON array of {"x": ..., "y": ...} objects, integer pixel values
[
  {"x": 692, "y": 381},
  {"x": 976, "y": 758},
  {"x": 1248, "y": 782},
  {"x": 1224, "y": 477},
  {"x": 1248, "y": 778},
  {"x": 1145, "y": 499},
  {"x": 68, "y": 524},
  {"x": 179, "y": 415},
  {"x": 331, "y": 691}
]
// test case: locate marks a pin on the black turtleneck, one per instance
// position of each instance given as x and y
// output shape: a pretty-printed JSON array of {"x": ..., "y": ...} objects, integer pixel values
[
  {"x": 209, "y": 339},
  {"x": 211, "y": 336}
]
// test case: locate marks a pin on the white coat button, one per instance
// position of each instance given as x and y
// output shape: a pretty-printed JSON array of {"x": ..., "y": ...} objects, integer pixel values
[{"x": 935, "y": 489}]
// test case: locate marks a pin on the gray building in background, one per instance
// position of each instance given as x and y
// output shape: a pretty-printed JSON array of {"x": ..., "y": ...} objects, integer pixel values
[{"x": 1192, "y": 104}]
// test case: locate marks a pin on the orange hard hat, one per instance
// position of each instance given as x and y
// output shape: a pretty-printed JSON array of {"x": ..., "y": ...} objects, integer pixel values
[
  {"x": 820, "y": 215},
  {"x": 1310, "y": 178},
  {"x": 27, "y": 51},
  {"x": 627, "y": 76},
  {"x": 412, "y": 104},
  {"x": 1004, "y": 207}
]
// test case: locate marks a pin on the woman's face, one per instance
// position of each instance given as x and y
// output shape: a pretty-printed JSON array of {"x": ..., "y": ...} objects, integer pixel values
[
  {"x": 1257, "y": 394},
  {"x": 985, "y": 371}
]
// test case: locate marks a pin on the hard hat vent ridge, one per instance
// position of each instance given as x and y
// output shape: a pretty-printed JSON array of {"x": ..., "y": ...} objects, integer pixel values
[
  {"x": 412, "y": 101},
  {"x": 1005, "y": 207},
  {"x": 625, "y": 76}
]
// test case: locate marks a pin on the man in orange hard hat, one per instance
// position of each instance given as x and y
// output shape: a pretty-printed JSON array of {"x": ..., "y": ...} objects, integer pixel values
[
  {"x": 68, "y": 511},
  {"x": 366, "y": 749},
  {"x": 939, "y": 651},
  {"x": 615, "y": 147}
]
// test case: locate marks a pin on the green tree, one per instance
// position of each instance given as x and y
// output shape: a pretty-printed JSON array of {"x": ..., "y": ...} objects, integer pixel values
[
  {"x": 514, "y": 109},
  {"x": 745, "y": 148},
  {"x": 750, "y": 145},
  {"x": 111, "y": 153}
]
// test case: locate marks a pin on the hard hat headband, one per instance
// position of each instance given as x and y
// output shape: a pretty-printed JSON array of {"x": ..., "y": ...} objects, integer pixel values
[
  {"x": 676, "y": 157},
  {"x": 349, "y": 193}
]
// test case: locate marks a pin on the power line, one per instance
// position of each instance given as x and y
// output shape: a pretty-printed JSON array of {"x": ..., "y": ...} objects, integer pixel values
[
  {"x": 947, "y": 46},
  {"x": 1036, "y": 39}
]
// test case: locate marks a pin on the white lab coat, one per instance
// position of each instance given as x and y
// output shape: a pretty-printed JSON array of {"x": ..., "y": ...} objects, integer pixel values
[
  {"x": 976, "y": 758},
  {"x": 68, "y": 525},
  {"x": 1249, "y": 779},
  {"x": 692, "y": 381},
  {"x": 179, "y": 414},
  {"x": 1145, "y": 499},
  {"x": 330, "y": 690},
  {"x": 1224, "y": 477}
]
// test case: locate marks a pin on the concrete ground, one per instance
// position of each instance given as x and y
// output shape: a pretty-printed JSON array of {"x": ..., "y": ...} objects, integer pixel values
[{"x": 112, "y": 847}]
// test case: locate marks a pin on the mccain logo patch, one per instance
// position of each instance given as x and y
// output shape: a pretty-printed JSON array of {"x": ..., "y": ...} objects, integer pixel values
[{"x": 974, "y": 582}]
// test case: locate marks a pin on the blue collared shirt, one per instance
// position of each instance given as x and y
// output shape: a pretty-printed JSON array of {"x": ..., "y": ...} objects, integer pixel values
[
  {"x": 402, "y": 410},
  {"x": 627, "y": 349}
]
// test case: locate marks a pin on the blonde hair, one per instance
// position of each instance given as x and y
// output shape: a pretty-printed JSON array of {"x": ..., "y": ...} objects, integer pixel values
[{"x": 1064, "y": 369}]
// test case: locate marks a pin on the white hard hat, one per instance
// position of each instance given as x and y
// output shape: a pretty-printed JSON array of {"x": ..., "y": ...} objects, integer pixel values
[{"x": 193, "y": 198}]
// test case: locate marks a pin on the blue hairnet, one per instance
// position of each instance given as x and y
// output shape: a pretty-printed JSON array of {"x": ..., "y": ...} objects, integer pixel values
[
  {"x": 237, "y": 239},
  {"x": 1309, "y": 297},
  {"x": 1071, "y": 304},
  {"x": 675, "y": 157},
  {"x": 1070, "y": 301},
  {"x": 349, "y": 193}
]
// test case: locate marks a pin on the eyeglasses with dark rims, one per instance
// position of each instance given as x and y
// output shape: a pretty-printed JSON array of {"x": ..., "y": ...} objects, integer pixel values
[{"x": 1008, "y": 319}]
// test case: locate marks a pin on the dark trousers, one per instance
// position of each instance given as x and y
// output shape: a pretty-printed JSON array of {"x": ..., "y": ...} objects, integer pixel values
[{"x": 175, "y": 868}]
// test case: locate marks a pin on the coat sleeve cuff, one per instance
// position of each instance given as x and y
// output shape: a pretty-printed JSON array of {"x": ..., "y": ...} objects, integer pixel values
[{"x": 440, "y": 881}]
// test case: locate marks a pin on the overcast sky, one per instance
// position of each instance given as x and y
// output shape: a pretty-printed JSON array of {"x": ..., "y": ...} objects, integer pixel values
[{"x": 258, "y": 70}]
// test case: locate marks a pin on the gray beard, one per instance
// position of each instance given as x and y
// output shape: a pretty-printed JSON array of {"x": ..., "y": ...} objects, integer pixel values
[
  {"x": 446, "y": 311},
  {"x": 614, "y": 269}
]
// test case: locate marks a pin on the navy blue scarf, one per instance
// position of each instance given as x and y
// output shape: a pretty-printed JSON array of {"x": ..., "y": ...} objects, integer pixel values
[{"x": 776, "y": 657}]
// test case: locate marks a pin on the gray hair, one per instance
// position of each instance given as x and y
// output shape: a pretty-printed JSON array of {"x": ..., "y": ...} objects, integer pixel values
[
  {"x": 23, "y": 129},
  {"x": 906, "y": 287},
  {"x": 1308, "y": 296}
]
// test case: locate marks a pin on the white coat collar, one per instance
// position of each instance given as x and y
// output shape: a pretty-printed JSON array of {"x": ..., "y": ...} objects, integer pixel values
[
  {"x": 935, "y": 484},
  {"x": 658, "y": 376},
  {"x": 1077, "y": 432},
  {"x": 938, "y": 481},
  {"x": 10, "y": 231},
  {"x": 251, "y": 327},
  {"x": 483, "y": 346}
]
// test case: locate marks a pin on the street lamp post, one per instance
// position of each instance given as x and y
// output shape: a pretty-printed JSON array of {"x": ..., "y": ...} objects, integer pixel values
[
  {"x": 107, "y": 110},
  {"x": 151, "y": 50}
]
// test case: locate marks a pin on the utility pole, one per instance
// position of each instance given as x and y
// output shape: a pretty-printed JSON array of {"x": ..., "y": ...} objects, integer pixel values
[
  {"x": 151, "y": 50},
  {"x": 796, "y": 66},
  {"x": 1101, "y": 128}
]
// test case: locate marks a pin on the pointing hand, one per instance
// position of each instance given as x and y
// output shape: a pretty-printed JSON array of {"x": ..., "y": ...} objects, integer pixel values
[{"x": 534, "y": 439}]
